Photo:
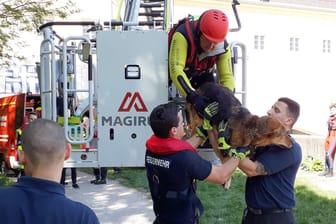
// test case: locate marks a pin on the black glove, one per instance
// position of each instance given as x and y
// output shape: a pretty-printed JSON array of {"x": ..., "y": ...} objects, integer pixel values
[
  {"x": 210, "y": 110},
  {"x": 198, "y": 102}
]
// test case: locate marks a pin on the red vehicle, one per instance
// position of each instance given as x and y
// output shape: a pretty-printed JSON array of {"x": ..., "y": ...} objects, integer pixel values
[{"x": 13, "y": 115}]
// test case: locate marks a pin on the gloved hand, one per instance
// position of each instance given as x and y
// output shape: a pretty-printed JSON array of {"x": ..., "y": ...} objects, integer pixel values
[
  {"x": 211, "y": 110},
  {"x": 198, "y": 102},
  {"x": 206, "y": 125},
  {"x": 241, "y": 153},
  {"x": 202, "y": 132},
  {"x": 222, "y": 144}
]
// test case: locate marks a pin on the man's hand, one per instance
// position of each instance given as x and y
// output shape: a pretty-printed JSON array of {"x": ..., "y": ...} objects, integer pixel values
[{"x": 241, "y": 153}]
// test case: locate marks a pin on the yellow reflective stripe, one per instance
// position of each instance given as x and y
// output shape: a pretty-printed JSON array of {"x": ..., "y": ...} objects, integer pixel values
[
  {"x": 6, "y": 104},
  {"x": 71, "y": 120}
]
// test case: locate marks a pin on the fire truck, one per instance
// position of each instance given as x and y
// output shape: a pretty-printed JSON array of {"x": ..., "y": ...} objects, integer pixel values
[
  {"x": 13, "y": 115},
  {"x": 121, "y": 69}
]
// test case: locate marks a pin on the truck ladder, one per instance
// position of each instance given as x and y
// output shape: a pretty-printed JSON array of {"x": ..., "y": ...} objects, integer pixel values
[{"x": 156, "y": 14}]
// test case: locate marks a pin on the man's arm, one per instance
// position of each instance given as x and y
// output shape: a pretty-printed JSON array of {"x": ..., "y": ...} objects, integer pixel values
[
  {"x": 224, "y": 68},
  {"x": 195, "y": 140},
  {"x": 252, "y": 168},
  {"x": 221, "y": 174},
  {"x": 177, "y": 58}
]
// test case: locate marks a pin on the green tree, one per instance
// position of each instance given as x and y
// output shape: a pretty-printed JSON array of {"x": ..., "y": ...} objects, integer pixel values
[{"x": 21, "y": 16}]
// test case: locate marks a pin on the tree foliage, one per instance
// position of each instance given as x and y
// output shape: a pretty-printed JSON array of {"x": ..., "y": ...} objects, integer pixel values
[{"x": 21, "y": 16}]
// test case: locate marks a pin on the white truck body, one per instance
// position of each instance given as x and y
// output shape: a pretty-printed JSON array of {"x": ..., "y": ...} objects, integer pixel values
[{"x": 124, "y": 68}]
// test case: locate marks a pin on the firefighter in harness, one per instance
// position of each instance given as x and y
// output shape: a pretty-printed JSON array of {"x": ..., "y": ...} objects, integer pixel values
[{"x": 195, "y": 46}]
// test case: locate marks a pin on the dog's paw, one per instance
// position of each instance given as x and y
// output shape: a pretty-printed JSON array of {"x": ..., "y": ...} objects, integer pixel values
[{"x": 227, "y": 184}]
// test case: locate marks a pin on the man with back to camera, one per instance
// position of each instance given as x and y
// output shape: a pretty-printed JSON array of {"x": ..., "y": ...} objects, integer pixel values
[{"x": 38, "y": 197}]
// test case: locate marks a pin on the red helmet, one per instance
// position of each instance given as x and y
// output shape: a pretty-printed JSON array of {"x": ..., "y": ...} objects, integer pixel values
[{"x": 214, "y": 25}]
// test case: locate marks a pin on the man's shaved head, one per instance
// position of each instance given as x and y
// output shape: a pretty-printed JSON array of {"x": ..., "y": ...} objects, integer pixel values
[{"x": 43, "y": 142}]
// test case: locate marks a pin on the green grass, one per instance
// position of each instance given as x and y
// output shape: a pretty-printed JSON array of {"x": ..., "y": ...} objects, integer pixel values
[
  {"x": 5, "y": 181},
  {"x": 314, "y": 206}
]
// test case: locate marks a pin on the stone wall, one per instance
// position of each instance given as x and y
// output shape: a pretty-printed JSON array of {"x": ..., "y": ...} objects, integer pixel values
[{"x": 312, "y": 145}]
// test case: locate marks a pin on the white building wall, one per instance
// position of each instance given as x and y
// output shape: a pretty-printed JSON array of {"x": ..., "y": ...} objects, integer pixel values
[{"x": 307, "y": 76}]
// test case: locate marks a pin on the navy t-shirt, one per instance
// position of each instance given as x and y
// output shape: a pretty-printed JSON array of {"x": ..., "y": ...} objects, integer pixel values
[
  {"x": 175, "y": 173},
  {"x": 34, "y": 200},
  {"x": 275, "y": 190}
]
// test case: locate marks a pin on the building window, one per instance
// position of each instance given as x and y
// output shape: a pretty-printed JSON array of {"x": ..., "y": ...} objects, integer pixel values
[
  {"x": 259, "y": 42},
  {"x": 326, "y": 46},
  {"x": 294, "y": 44}
]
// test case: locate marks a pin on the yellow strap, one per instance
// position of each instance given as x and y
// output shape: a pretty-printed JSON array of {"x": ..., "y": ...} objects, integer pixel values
[{"x": 74, "y": 120}]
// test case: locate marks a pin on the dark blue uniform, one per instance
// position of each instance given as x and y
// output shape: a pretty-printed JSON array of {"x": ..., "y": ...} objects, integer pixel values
[
  {"x": 271, "y": 197},
  {"x": 34, "y": 200},
  {"x": 171, "y": 180}
]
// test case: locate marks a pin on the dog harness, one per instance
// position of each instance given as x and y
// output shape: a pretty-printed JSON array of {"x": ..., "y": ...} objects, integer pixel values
[{"x": 224, "y": 143}]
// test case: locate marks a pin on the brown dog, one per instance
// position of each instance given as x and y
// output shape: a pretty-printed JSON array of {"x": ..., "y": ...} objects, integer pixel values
[{"x": 242, "y": 129}]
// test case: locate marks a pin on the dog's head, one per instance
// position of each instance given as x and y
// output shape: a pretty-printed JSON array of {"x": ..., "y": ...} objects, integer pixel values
[
  {"x": 271, "y": 131},
  {"x": 258, "y": 131}
]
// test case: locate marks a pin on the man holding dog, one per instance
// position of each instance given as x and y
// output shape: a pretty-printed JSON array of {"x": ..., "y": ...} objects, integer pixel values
[
  {"x": 173, "y": 166},
  {"x": 195, "y": 48},
  {"x": 269, "y": 190}
]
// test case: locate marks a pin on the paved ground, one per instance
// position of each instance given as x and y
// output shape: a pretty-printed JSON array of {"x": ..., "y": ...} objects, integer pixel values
[
  {"x": 322, "y": 182},
  {"x": 112, "y": 202}
]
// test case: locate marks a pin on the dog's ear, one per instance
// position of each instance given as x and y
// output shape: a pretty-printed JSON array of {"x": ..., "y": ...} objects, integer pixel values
[
  {"x": 271, "y": 131},
  {"x": 267, "y": 126},
  {"x": 270, "y": 125},
  {"x": 252, "y": 122},
  {"x": 193, "y": 120},
  {"x": 243, "y": 131},
  {"x": 263, "y": 125}
]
